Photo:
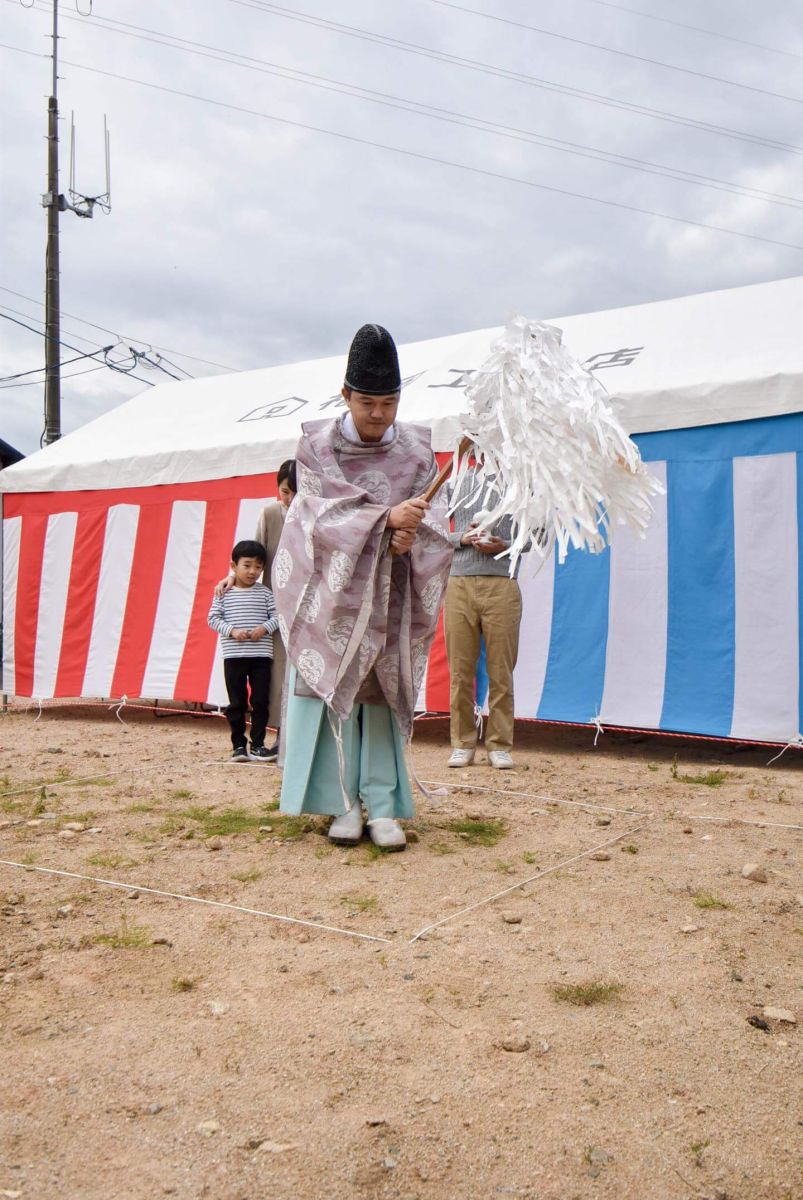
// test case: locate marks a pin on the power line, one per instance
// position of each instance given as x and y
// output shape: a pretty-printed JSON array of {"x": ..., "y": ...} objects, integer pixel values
[
  {"x": 403, "y": 104},
  {"x": 421, "y": 157},
  {"x": 716, "y": 33},
  {"x": 651, "y": 62},
  {"x": 516, "y": 76},
  {"x": 38, "y": 382},
  {"x": 103, "y": 349},
  {"x": 38, "y": 370},
  {"x": 121, "y": 337}
]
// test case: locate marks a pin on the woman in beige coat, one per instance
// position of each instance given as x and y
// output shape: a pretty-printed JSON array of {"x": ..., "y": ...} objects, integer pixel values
[{"x": 269, "y": 531}]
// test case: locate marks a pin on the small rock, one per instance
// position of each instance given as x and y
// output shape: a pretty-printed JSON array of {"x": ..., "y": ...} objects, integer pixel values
[
  {"x": 390, "y": 1163},
  {"x": 511, "y": 918},
  {"x": 161, "y": 941},
  {"x": 538, "y": 812},
  {"x": 758, "y": 1023},
  {"x": 54, "y": 750},
  {"x": 253, "y": 1143},
  {"x": 412, "y": 836},
  {"x": 600, "y": 856},
  {"x": 66, "y": 834},
  {"x": 217, "y": 1009},
  {"x": 780, "y": 1014},
  {"x": 213, "y": 843},
  {"x": 33, "y": 823},
  {"x": 266, "y": 829},
  {"x": 152, "y": 1109},
  {"x": 755, "y": 872},
  {"x": 690, "y": 928},
  {"x": 603, "y": 821},
  {"x": 34, "y": 974},
  {"x": 64, "y": 911},
  {"x": 277, "y": 1147},
  {"x": 132, "y": 895},
  {"x": 374, "y": 1121},
  {"x": 208, "y": 1128},
  {"x": 599, "y": 1157},
  {"x": 597, "y": 1066},
  {"x": 94, "y": 829},
  {"x": 736, "y": 977},
  {"x": 688, "y": 829},
  {"x": 515, "y": 1045},
  {"x": 464, "y": 836},
  {"x": 75, "y": 826}
]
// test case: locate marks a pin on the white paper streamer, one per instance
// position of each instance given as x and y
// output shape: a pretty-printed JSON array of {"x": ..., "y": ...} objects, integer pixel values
[{"x": 552, "y": 453}]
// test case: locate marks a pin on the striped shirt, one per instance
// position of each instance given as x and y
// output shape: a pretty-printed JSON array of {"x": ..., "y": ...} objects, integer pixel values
[{"x": 244, "y": 608}]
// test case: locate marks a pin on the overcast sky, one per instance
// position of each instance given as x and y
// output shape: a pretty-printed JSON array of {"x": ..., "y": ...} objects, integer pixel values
[{"x": 246, "y": 240}]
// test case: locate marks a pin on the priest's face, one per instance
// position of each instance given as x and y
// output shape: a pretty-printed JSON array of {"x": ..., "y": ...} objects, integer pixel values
[{"x": 372, "y": 415}]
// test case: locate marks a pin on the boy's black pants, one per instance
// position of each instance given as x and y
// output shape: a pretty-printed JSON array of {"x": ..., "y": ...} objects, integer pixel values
[{"x": 239, "y": 673}]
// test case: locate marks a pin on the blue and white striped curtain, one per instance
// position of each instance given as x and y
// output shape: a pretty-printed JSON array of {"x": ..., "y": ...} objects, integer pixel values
[{"x": 696, "y": 628}]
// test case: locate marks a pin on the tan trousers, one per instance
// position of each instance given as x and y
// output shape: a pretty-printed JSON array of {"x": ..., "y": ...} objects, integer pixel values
[{"x": 487, "y": 605}]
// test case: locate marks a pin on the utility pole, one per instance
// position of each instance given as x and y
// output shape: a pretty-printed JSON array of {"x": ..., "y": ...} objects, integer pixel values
[
  {"x": 56, "y": 203},
  {"x": 51, "y": 200}
]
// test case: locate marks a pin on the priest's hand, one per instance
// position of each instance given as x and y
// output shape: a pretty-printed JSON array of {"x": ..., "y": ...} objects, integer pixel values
[
  {"x": 489, "y": 544},
  {"x": 408, "y": 514},
  {"x": 402, "y": 541}
]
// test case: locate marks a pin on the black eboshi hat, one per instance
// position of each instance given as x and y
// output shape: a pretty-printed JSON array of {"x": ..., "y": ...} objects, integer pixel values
[{"x": 373, "y": 364}]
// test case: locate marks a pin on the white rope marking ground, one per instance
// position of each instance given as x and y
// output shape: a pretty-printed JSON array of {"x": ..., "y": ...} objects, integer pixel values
[
  {"x": 523, "y": 882},
  {"x": 475, "y": 787},
  {"x": 254, "y": 912},
  {"x": 735, "y": 820}
]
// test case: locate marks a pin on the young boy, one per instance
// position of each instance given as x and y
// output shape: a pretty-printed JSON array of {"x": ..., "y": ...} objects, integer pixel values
[{"x": 245, "y": 617}]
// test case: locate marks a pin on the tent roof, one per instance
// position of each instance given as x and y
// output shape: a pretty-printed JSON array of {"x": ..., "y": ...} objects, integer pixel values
[{"x": 698, "y": 360}]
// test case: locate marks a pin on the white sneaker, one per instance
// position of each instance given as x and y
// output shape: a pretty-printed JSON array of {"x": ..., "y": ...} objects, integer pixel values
[
  {"x": 387, "y": 834},
  {"x": 346, "y": 830},
  {"x": 461, "y": 758},
  {"x": 500, "y": 759}
]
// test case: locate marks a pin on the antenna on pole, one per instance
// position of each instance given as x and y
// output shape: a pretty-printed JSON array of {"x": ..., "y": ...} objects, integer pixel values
[{"x": 55, "y": 203}]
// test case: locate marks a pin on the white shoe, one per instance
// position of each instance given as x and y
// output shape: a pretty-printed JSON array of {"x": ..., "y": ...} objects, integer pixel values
[
  {"x": 461, "y": 758},
  {"x": 387, "y": 834},
  {"x": 346, "y": 830},
  {"x": 500, "y": 759}
]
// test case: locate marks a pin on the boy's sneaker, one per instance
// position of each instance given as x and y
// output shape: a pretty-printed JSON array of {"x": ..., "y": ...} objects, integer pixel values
[
  {"x": 261, "y": 754},
  {"x": 460, "y": 758},
  {"x": 501, "y": 760},
  {"x": 239, "y": 754},
  {"x": 272, "y": 752}
]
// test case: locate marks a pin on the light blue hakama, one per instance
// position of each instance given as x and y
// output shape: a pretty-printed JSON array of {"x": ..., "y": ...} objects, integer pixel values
[{"x": 375, "y": 767}]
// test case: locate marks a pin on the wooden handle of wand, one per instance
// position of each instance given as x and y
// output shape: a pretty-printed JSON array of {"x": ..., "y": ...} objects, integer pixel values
[{"x": 445, "y": 472}]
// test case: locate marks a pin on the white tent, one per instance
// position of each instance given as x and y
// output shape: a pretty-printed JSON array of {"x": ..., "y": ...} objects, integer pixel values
[{"x": 127, "y": 521}]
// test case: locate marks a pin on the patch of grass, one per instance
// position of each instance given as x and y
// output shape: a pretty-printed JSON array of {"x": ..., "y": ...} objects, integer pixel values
[
  {"x": 133, "y": 809},
  {"x": 182, "y": 794},
  {"x": 697, "y": 1149},
  {"x": 629, "y": 849},
  {"x": 528, "y": 857},
  {"x": 272, "y": 806},
  {"x": 594, "y": 991},
  {"x": 248, "y": 876},
  {"x": 81, "y": 818},
  {"x": 323, "y": 851},
  {"x": 228, "y": 822},
  {"x": 711, "y": 778},
  {"x": 504, "y": 868},
  {"x": 115, "y": 861},
  {"x": 709, "y": 900},
  {"x": 361, "y": 904},
  {"x": 478, "y": 833},
  {"x": 10, "y": 805},
  {"x": 29, "y": 858},
  {"x": 127, "y": 937},
  {"x": 182, "y": 984},
  {"x": 441, "y": 848},
  {"x": 652, "y": 766}
]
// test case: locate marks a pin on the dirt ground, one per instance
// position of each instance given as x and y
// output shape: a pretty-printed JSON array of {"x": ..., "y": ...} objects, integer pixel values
[{"x": 153, "y": 1046}]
